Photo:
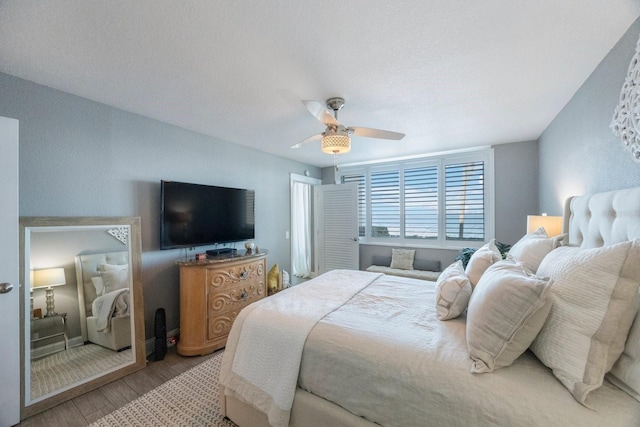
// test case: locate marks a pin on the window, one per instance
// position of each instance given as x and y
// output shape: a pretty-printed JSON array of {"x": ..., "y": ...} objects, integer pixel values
[
  {"x": 359, "y": 178},
  {"x": 385, "y": 203},
  {"x": 421, "y": 203},
  {"x": 464, "y": 201},
  {"x": 436, "y": 201}
]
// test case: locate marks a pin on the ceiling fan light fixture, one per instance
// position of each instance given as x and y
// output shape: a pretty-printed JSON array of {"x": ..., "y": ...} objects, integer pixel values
[{"x": 336, "y": 143}]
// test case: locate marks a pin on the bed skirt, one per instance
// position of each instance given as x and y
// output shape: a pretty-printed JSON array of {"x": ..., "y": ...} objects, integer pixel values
[{"x": 308, "y": 411}]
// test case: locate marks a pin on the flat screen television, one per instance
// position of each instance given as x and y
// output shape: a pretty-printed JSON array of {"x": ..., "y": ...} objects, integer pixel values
[{"x": 199, "y": 215}]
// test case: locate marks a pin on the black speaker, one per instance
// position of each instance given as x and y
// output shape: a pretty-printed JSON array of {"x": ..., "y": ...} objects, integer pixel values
[{"x": 161, "y": 335}]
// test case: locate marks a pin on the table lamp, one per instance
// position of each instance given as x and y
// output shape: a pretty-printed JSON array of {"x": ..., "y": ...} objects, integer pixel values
[
  {"x": 48, "y": 278},
  {"x": 552, "y": 224}
]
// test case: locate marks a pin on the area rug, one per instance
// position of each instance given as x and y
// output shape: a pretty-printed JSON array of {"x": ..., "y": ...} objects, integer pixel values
[
  {"x": 70, "y": 366},
  {"x": 190, "y": 399}
]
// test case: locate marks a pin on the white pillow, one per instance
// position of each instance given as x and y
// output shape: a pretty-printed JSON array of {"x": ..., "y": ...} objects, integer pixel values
[
  {"x": 453, "y": 291},
  {"x": 594, "y": 296},
  {"x": 112, "y": 267},
  {"x": 402, "y": 258},
  {"x": 626, "y": 372},
  {"x": 115, "y": 279},
  {"x": 507, "y": 310},
  {"x": 482, "y": 259},
  {"x": 533, "y": 247},
  {"x": 98, "y": 284}
]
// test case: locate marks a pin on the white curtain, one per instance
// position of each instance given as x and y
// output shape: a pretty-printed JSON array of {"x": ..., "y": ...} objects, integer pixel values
[{"x": 301, "y": 226}]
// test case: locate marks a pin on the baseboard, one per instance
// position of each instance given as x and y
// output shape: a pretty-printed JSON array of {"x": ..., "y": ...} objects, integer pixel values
[
  {"x": 47, "y": 349},
  {"x": 75, "y": 342},
  {"x": 150, "y": 344}
]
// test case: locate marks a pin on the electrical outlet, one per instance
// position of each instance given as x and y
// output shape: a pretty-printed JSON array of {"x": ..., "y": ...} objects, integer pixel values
[
  {"x": 286, "y": 234},
  {"x": 171, "y": 341}
]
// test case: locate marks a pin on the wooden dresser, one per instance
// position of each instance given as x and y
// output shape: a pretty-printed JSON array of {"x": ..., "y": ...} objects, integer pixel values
[{"x": 212, "y": 293}]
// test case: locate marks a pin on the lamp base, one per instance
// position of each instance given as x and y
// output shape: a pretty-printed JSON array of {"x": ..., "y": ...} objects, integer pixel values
[{"x": 51, "y": 307}]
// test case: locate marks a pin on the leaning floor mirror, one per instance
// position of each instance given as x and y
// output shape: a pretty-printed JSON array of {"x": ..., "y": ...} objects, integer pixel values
[{"x": 82, "y": 314}]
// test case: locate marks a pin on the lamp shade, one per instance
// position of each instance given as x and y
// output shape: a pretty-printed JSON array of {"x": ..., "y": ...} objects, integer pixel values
[
  {"x": 552, "y": 224},
  {"x": 336, "y": 144},
  {"x": 48, "y": 277}
]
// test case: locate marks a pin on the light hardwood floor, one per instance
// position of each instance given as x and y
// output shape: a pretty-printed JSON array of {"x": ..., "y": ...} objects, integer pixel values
[{"x": 85, "y": 409}]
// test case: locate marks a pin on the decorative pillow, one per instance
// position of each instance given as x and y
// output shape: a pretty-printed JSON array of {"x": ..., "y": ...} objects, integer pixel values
[
  {"x": 482, "y": 259},
  {"x": 273, "y": 279},
  {"x": 402, "y": 259},
  {"x": 533, "y": 247},
  {"x": 115, "y": 279},
  {"x": 594, "y": 297},
  {"x": 626, "y": 372},
  {"x": 453, "y": 291},
  {"x": 112, "y": 267},
  {"x": 507, "y": 309},
  {"x": 98, "y": 284}
]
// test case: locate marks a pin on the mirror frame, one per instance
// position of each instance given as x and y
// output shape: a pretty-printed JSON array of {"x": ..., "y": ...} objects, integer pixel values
[{"x": 138, "y": 343}]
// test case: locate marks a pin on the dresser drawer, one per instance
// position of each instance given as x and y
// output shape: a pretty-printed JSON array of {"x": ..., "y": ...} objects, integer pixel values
[
  {"x": 220, "y": 279},
  {"x": 220, "y": 325},
  {"x": 236, "y": 297}
]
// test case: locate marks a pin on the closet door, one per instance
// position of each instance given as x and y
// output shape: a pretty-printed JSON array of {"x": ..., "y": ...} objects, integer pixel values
[
  {"x": 9, "y": 297},
  {"x": 336, "y": 215}
]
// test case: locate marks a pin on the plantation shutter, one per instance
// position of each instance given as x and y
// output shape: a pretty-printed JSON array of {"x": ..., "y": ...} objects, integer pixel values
[
  {"x": 421, "y": 203},
  {"x": 464, "y": 201},
  {"x": 385, "y": 204},
  {"x": 359, "y": 179}
]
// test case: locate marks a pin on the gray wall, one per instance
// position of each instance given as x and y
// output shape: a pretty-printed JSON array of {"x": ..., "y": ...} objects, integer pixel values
[
  {"x": 82, "y": 158},
  {"x": 578, "y": 151},
  {"x": 516, "y": 196},
  {"x": 516, "y": 188}
]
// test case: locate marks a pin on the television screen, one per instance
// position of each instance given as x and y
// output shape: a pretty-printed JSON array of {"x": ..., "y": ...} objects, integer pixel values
[{"x": 197, "y": 215}]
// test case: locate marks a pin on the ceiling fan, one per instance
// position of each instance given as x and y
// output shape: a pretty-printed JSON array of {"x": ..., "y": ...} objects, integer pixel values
[{"x": 336, "y": 139}]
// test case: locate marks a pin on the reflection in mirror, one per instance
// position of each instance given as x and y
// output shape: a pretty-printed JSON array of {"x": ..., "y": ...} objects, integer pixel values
[{"x": 82, "y": 312}]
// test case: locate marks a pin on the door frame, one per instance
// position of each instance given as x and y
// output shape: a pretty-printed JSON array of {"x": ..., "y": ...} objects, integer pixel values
[{"x": 313, "y": 182}]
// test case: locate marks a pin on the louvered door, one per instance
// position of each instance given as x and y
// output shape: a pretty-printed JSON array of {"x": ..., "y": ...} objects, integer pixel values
[{"x": 337, "y": 227}]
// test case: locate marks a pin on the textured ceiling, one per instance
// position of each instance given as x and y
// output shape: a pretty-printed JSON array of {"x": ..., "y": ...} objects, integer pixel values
[{"x": 449, "y": 74}]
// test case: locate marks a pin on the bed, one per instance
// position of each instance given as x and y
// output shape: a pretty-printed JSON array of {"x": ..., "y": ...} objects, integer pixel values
[
  {"x": 381, "y": 356},
  {"x": 108, "y": 274}
]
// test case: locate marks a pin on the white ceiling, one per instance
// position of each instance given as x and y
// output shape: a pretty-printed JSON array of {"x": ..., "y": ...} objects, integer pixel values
[{"x": 449, "y": 74}]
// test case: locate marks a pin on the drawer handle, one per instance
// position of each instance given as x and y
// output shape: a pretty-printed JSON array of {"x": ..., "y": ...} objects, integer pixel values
[
  {"x": 244, "y": 275},
  {"x": 242, "y": 297}
]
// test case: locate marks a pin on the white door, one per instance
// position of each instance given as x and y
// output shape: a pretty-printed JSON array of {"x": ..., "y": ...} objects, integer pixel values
[
  {"x": 9, "y": 301},
  {"x": 336, "y": 219}
]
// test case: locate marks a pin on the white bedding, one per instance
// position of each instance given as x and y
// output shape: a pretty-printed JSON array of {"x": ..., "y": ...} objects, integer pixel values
[
  {"x": 385, "y": 356},
  {"x": 261, "y": 364}
]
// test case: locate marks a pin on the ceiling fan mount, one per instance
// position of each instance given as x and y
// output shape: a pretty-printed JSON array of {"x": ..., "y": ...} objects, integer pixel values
[
  {"x": 335, "y": 104},
  {"x": 336, "y": 139}
]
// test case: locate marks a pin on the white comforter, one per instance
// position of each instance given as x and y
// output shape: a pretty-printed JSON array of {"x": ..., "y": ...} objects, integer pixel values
[
  {"x": 265, "y": 345},
  {"x": 385, "y": 356}
]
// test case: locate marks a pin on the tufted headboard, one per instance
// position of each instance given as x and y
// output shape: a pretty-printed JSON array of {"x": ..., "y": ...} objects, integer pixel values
[
  {"x": 86, "y": 268},
  {"x": 603, "y": 218}
]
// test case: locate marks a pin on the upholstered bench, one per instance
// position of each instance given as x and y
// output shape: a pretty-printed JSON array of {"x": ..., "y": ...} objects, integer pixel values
[{"x": 422, "y": 269}]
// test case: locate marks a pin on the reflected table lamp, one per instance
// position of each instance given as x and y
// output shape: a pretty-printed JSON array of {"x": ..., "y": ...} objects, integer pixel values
[
  {"x": 552, "y": 224},
  {"x": 48, "y": 278}
]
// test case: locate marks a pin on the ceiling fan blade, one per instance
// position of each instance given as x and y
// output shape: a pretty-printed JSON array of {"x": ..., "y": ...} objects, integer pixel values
[
  {"x": 376, "y": 133},
  {"x": 321, "y": 113},
  {"x": 315, "y": 137}
]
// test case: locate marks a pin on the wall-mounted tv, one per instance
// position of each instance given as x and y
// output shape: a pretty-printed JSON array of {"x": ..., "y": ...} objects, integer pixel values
[{"x": 198, "y": 215}]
